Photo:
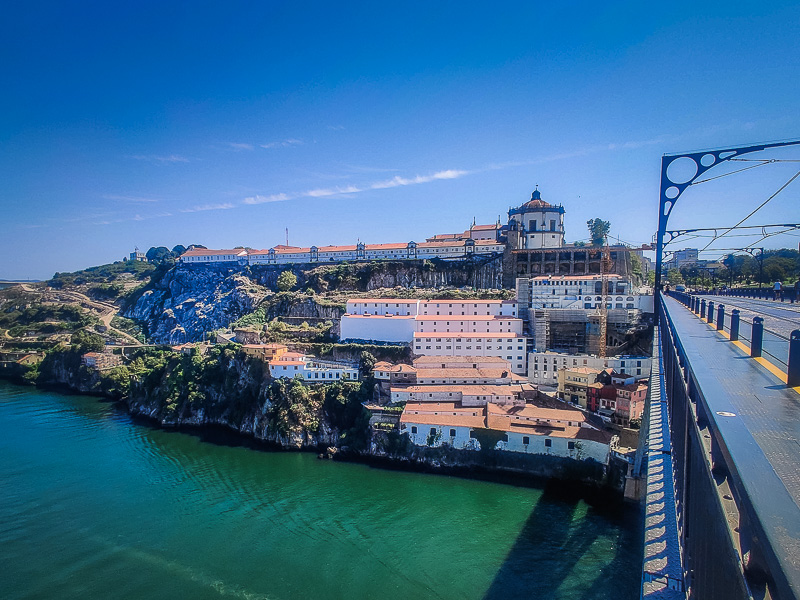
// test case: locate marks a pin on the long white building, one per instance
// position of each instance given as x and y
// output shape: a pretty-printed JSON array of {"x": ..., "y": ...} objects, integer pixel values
[
  {"x": 294, "y": 364},
  {"x": 581, "y": 291},
  {"x": 526, "y": 429},
  {"x": 281, "y": 254},
  {"x": 440, "y": 327},
  {"x": 543, "y": 366}
]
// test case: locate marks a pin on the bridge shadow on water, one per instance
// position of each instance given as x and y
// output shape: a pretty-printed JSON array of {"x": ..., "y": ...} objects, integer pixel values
[{"x": 573, "y": 546}]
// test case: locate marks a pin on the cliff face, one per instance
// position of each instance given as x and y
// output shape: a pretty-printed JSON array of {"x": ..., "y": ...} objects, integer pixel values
[
  {"x": 188, "y": 302},
  {"x": 479, "y": 273},
  {"x": 225, "y": 388}
]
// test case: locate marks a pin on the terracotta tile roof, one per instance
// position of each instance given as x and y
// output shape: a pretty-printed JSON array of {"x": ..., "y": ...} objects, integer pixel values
[
  {"x": 448, "y": 301},
  {"x": 573, "y": 277},
  {"x": 421, "y": 361},
  {"x": 399, "y": 246},
  {"x": 467, "y": 318},
  {"x": 584, "y": 370},
  {"x": 465, "y": 373},
  {"x": 265, "y": 346},
  {"x": 529, "y": 411},
  {"x": 206, "y": 252},
  {"x": 291, "y": 250},
  {"x": 400, "y": 301},
  {"x": 459, "y": 334},
  {"x": 468, "y": 389},
  {"x": 443, "y": 413},
  {"x": 375, "y": 317}
]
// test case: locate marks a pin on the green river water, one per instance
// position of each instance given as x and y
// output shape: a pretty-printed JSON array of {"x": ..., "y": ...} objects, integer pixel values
[{"x": 95, "y": 505}]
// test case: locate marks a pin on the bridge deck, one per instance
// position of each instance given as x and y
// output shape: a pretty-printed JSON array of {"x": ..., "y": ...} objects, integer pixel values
[{"x": 733, "y": 382}]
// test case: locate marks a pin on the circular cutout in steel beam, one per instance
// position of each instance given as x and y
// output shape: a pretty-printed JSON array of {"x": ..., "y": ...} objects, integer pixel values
[
  {"x": 681, "y": 170},
  {"x": 725, "y": 413},
  {"x": 707, "y": 160},
  {"x": 671, "y": 192}
]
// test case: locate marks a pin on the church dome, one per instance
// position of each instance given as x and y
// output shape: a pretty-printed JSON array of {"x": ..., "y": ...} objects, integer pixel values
[{"x": 536, "y": 200}]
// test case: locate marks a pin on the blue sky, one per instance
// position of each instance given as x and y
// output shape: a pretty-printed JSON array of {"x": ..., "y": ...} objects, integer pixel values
[{"x": 163, "y": 123}]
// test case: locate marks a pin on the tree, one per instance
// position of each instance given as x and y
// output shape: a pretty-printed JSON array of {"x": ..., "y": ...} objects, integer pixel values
[
  {"x": 286, "y": 281},
  {"x": 84, "y": 341},
  {"x": 674, "y": 276},
  {"x": 598, "y": 231},
  {"x": 158, "y": 254},
  {"x": 178, "y": 250},
  {"x": 367, "y": 361}
]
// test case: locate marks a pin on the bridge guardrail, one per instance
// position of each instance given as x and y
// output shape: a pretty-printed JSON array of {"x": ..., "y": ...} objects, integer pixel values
[
  {"x": 780, "y": 350},
  {"x": 731, "y": 540},
  {"x": 787, "y": 294}
]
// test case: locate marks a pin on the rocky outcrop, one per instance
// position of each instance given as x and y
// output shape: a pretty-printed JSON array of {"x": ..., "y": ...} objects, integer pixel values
[
  {"x": 186, "y": 302},
  {"x": 478, "y": 273}
]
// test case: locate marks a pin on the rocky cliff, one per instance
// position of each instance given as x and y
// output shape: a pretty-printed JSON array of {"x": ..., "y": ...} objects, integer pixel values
[
  {"x": 186, "y": 302},
  {"x": 225, "y": 388}
]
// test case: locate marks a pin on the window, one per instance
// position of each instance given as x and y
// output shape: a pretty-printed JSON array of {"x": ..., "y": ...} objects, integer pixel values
[
  {"x": 526, "y": 440},
  {"x": 433, "y": 430},
  {"x": 547, "y": 442},
  {"x": 413, "y": 430},
  {"x": 571, "y": 445},
  {"x": 452, "y": 433}
]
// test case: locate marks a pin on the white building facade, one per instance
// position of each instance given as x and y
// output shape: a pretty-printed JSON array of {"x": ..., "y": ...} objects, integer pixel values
[
  {"x": 509, "y": 346},
  {"x": 310, "y": 369},
  {"x": 282, "y": 254},
  {"x": 581, "y": 291},
  {"x": 449, "y": 424},
  {"x": 543, "y": 366}
]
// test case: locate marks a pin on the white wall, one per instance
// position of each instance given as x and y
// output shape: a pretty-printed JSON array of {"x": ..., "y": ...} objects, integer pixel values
[
  {"x": 380, "y": 328},
  {"x": 461, "y": 440},
  {"x": 583, "y": 449},
  {"x": 636, "y": 366},
  {"x": 448, "y": 345}
]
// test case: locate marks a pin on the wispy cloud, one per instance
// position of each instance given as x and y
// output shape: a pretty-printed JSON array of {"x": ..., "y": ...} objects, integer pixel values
[
  {"x": 337, "y": 191},
  {"x": 400, "y": 181},
  {"x": 204, "y": 207},
  {"x": 128, "y": 198},
  {"x": 263, "y": 199},
  {"x": 282, "y": 143},
  {"x": 136, "y": 217},
  {"x": 336, "y": 127},
  {"x": 240, "y": 146},
  {"x": 356, "y": 189},
  {"x": 157, "y": 158}
]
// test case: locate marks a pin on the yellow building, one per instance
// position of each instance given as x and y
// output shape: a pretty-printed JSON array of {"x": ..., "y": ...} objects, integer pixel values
[
  {"x": 573, "y": 383},
  {"x": 265, "y": 352}
]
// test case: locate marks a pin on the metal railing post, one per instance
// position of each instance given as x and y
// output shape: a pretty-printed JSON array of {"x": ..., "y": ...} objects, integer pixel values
[
  {"x": 793, "y": 364},
  {"x": 734, "y": 324},
  {"x": 757, "y": 339},
  {"x": 720, "y": 317},
  {"x": 703, "y": 309},
  {"x": 710, "y": 318}
]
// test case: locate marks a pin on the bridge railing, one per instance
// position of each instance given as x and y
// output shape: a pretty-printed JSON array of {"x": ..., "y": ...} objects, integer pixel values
[
  {"x": 781, "y": 351},
  {"x": 726, "y": 513},
  {"x": 787, "y": 294}
]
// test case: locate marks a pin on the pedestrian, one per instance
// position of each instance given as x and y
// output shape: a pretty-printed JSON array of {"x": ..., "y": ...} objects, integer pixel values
[{"x": 776, "y": 290}]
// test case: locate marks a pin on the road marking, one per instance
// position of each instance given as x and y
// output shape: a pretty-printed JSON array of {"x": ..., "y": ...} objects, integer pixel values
[{"x": 775, "y": 370}]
